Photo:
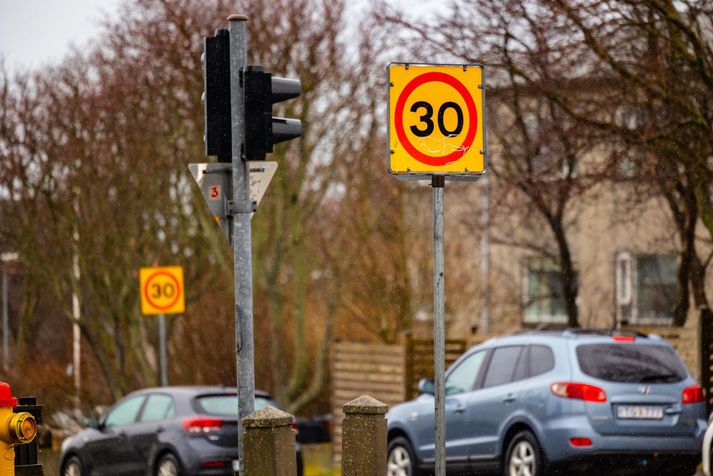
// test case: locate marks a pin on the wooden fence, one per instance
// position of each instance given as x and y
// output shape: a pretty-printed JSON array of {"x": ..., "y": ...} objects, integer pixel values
[
  {"x": 419, "y": 360},
  {"x": 357, "y": 369}
]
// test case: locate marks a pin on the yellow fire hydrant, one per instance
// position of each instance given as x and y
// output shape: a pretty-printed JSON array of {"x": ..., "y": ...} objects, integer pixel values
[{"x": 15, "y": 429}]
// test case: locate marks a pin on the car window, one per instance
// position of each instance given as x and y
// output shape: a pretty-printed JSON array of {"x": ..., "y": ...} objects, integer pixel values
[
  {"x": 227, "y": 405},
  {"x": 522, "y": 369},
  {"x": 541, "y": 360},
  {"x": 462, "y": 378},
  {"x": 631, "y": 363},
  {"x": 502, "y": 366},
  {"x": 158, "y": 407},
  {"x": 125, "y": 412}
]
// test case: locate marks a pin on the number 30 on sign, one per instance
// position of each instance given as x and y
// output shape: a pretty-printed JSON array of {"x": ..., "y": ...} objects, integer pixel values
[
  {"x": 161, "y": 290},
  {"x": 436, "y": 122}
]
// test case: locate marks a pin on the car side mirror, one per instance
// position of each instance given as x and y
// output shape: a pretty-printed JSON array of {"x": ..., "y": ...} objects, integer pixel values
[
  {"x": 91, "y": 423},
  {"x": 425, "y": 385}
]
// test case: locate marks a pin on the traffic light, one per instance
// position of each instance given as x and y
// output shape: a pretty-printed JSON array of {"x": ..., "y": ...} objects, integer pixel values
[
  {"x": 216, "y": 95},
  {"x": 261, "y": 90},
  {"x": 262, "y": 130}
]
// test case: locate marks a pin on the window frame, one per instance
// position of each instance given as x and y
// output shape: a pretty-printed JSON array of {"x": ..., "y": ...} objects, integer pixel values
[
  {"x": 630, "y": 280},
  {"x": 139, "y": 417},
  {"x": 538, "y": 319},
  {"x": 523, "y": 349},
  {"x": 105, "y": 420},
  {"x": 530, "y": 373},
  {"x": 478, "y": 380}
]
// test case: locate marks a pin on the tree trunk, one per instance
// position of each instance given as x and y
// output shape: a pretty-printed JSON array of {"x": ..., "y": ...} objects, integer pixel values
[
  {"x": 568, "y": 275},
  {"x": 298, "y": 373}
]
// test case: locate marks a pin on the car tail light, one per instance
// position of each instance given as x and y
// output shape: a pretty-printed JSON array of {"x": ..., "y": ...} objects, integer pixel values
[
  {"x": 692, "y": 394},
  {"x": 200, "y": 425},
  {"x": 579, "y": 442},
  {"x": 579, "y": 391},
  {"x": 213, "y": 464},
  {"x": 624, "y": 339}
]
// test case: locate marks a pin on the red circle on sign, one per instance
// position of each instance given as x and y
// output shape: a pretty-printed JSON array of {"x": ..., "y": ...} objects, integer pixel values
[
  {"x": 399, "y": 121},
  {"x": 146, "y": 290}
]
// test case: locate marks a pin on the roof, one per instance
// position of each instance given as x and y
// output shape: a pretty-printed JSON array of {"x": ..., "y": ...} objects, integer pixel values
[
  {"x": 588, "y": 332},
  {"x": 197, "y": 390},
  {"x": 590, "y": 335}
]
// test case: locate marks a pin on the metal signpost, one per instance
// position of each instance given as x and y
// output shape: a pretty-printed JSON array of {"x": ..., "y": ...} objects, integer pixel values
[
  {"x": 437, "y": 132},
  {"x": 162, "y": 292},
  {"x": 242, "y": 244}
]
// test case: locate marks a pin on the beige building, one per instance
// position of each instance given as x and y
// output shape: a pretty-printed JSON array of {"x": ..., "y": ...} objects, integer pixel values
[{"x": 624, "y": 248}]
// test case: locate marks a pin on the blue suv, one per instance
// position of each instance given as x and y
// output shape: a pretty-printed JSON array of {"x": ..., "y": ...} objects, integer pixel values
[{"x": 566, "y": 402}]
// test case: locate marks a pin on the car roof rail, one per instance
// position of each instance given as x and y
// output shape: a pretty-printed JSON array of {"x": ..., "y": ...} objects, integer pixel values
[{"x": 575, "y": 332}]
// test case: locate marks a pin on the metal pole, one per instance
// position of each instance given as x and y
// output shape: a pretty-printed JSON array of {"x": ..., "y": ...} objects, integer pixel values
[
  {"x": 439, "y": 325},
  {"x": 76, "y": 314},
  {"x": 162, "y": 349},
  {"x": 242, "y": 245},
  {"x": 485, "y": 258},
  {"x": 5, "y": 350}
]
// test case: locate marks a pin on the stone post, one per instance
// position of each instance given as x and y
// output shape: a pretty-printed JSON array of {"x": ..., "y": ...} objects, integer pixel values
[
  {"x": 269, "y": 443},
  {"x": 364, "y": 438}
]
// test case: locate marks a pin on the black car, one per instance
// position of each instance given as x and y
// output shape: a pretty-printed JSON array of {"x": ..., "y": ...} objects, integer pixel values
[{"x": 165, "y": 431}]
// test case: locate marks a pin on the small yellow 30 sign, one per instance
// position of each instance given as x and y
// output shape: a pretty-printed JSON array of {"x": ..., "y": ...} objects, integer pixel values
[
  {"x": 436, "y": 123},
  {"x": 162, "y": 290}
]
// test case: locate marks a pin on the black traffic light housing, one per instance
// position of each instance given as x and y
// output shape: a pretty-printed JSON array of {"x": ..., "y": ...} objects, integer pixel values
[
  {"x": 216, "y": 95},
  {"x": 262, "y": 90},
  {"x": 262, "y": 130}
]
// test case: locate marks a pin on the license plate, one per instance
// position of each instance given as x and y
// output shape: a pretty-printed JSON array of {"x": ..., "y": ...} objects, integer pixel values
[
  {"x": 639, "y": 412},
  {"x": 236, "y": 465}
]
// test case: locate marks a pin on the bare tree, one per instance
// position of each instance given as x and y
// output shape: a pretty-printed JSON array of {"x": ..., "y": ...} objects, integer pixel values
[{"x": 661, "y": 54}]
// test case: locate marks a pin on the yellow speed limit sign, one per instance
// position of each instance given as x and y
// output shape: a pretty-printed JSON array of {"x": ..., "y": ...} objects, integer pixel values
[
  {"x": 436, "y": 120},
  {"x": 162, "y": 290}
]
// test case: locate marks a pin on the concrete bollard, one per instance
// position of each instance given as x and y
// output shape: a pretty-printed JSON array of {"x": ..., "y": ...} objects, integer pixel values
[
  {"x": 364, "y": 438},
  {"x": 269, "y": 443}
]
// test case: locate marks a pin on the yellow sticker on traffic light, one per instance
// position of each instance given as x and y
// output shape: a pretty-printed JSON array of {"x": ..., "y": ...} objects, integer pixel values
[
  {"x": 436, "y": 122},
  {"x": 162, "y": 290}
]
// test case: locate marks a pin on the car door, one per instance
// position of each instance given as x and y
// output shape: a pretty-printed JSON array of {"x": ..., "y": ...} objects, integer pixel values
[
  {"x": 110, "y": 454},
  {"x": 460, "y": 380},
  {"x": 145, "y": 434},
  {"x": 497, "y": 398},
  {"x": 460, "y": 431}
]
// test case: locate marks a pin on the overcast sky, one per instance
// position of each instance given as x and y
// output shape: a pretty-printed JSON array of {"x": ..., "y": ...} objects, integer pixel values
[{"x": 34, "y": 32}]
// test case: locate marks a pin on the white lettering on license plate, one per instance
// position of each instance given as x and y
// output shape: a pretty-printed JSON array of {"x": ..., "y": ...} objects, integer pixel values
[{"x": 639, "y": 412}]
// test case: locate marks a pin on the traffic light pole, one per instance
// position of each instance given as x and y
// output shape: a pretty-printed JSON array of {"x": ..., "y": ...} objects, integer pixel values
[{"x": 242, "y": 245}]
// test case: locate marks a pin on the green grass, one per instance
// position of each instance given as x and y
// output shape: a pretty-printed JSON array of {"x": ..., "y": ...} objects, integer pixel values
[{"x": 318, "y": 460}]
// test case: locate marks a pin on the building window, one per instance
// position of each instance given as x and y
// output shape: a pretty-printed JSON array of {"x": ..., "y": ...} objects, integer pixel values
[
  {"x": 646, "y": 288},
  {"x": 543, "y": 294}
]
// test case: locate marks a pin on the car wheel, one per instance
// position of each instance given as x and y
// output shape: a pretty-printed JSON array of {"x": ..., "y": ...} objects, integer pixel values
[
  {"x": 168, "y": 466},
  {"x": 73, "y": 467},
  {"x": 400, "y": 459},
  {"x": 523, "y": 457}
]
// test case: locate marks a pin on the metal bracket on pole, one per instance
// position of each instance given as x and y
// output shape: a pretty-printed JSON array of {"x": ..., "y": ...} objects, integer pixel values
[{"x": 236, "y": 208}]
